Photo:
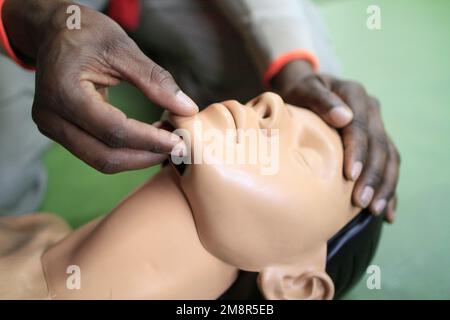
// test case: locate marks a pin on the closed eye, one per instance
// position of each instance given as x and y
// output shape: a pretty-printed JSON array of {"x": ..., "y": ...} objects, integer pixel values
[
  {"x": 300, "y": 157},
  {"x": 314, "y": 149}
]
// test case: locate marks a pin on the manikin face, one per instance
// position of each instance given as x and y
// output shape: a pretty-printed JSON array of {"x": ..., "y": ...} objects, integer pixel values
[{"x": 253, "y": 214}]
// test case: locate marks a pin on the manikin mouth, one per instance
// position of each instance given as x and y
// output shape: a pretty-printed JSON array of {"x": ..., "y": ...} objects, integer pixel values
[
  {"x": 232, "y": 108},
  {"x": 166, "y": 125},
  {"x": 179, "y": 168}
]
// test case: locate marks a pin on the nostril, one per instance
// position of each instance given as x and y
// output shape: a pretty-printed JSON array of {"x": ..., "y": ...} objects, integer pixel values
[
  {"x": 267, "y": 113},
  {"x": 269, "y": 116}
]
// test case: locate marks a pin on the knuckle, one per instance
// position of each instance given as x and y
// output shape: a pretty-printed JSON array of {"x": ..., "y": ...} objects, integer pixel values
[
  {"x": 155, "y": 148},
  {"x": 358, "y": 149},
  {"x": 313, "y": 81},
  {"x": 389, "y": 193},
  {"x": 351, "y": 88},
  {"x": 159, "y": 75},
  {"x": 108, "y": 165},
  {"x": 354, "y": 86},
  {"x": 380, "y": 142},
  {"x": 304, "y": 88},
  {"x": 316, "y": 88},
  {"x": 115, "y": 46},
  {"x": 359, "y": 126},
  {"x": 116, "y": 137},
  {"x": 374, "y": 176},
  {"x": 354, "y": 139}
]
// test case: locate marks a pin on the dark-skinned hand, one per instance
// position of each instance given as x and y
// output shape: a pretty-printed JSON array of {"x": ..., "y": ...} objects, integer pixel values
[
  {"x": 370, "y": 157},
  {"x": 74, "y": 69}
]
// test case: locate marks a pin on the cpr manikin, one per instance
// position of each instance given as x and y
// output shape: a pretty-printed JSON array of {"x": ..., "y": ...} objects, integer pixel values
[{"x": 186, "y": 236}]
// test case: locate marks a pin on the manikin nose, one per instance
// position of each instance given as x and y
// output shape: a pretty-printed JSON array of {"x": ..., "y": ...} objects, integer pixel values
[{"x": 269, "y": 108}]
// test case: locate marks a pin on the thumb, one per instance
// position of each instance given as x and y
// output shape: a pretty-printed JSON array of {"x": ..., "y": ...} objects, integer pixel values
[
  {"x": 324, "y": 102},
  {"x": 155, "y": 82}
]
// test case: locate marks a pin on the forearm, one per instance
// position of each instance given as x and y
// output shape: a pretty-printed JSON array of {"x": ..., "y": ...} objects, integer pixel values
[
  {"x": 27, "y": 22},
  {"x": 270, "y": 28}
]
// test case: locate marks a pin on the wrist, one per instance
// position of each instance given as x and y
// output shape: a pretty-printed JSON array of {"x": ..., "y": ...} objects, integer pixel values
[
  {"x": 27, "y": 23},
  {"x": 280, "y": 63},
  {"x": 292, "y": 71}
]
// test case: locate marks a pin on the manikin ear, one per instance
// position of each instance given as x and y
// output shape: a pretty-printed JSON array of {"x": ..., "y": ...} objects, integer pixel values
[{"x": 306, "y": 280}]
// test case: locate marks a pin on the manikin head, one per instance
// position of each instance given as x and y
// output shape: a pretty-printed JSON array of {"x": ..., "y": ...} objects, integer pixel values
[{"x": 274, "y": 211}]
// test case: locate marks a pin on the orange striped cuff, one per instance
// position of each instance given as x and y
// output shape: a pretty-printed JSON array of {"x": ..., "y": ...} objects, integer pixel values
[{"x": 278, "y": 64}]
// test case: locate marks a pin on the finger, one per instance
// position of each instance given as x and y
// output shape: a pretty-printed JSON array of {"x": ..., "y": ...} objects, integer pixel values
[
  {"x": 158, "y": 124},
  {"x": 355, "y": 136},
  {"x": 93, "y": 152},
  {"x": 180, "y": 150},
  {"x": 373, "y": 171},
  {"x": 153, "y": 80},
  {"x": 386, "y": 190},
  {"x": 314, "y": 95},
  {"x": 390, "y": 212},
  {"x": 110, "y": 125},
  {"x": 355, "y": 142}
]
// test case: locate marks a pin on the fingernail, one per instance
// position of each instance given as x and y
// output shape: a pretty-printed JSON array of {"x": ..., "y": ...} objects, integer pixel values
[
  {"x": 366, "y": 196},
  {"x": 356, "y": 170},
  {"x": 341, "y": 115},
  {"x": 187, "y": 102},
  {"x": 379, "y": 206},
  {"x": 180, "y": 150}
]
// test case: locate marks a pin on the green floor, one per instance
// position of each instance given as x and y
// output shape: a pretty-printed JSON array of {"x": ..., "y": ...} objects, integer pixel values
[{"x": 406, "y": 65}]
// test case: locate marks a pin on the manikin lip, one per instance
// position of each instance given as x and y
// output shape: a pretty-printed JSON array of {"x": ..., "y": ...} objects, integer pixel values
[
  {"x": 234, "y": 116},
  {"x": 233, "y": 108}
]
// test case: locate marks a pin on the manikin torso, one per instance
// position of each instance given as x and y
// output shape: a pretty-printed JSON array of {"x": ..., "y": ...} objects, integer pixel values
[{"x": 186, "y": 237}]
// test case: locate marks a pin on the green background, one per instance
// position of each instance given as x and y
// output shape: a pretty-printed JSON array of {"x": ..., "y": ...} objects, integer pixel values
[{"x": 406, "y": 65}]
